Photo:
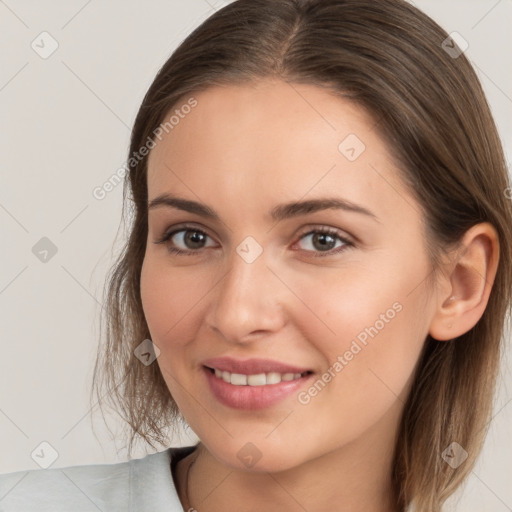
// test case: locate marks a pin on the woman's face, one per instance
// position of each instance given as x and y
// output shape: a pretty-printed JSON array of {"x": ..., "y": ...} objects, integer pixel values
[{"x": 247, "y": 171}]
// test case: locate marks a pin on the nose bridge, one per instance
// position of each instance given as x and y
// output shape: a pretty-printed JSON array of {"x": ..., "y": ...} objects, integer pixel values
[{"x": 248, "y": 296}]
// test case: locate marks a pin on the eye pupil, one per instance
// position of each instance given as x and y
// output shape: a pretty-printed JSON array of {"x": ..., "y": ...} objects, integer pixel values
[
  {"x": 194, "y": 237},
  {"x": 325, "y": 240}
]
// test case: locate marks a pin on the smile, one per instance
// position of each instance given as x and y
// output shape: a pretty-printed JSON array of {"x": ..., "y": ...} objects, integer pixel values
[
  {"x": 258, "y": 379},
  {"x": 254, "y": 383}
]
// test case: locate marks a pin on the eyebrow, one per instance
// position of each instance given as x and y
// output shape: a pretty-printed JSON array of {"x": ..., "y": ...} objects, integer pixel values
[{"x": 278, "y": 213}]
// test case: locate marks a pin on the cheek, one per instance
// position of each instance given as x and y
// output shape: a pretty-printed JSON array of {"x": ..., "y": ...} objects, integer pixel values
[
  {"x": 169, "y": 298},
  {"x": 372, "y": 369},
  {"x": 342, "y": 304},
  {"x": 370, "y": 329}
]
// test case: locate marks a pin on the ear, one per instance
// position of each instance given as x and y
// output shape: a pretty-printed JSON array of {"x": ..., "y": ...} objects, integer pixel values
[{"x": 466, "y": 284}]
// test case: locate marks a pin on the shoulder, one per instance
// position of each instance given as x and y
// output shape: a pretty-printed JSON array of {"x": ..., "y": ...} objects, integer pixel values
[{"x": 139, "y": 484}]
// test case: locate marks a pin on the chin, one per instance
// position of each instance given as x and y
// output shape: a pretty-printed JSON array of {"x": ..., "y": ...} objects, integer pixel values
[{"x": 257, "y": 456}]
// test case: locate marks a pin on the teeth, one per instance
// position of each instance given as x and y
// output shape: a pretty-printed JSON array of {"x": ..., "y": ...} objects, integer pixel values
[
  {"x": 259, "y": 379},
  {"x": 273, "y": 378},
  {"x": 239, "y": 380}
]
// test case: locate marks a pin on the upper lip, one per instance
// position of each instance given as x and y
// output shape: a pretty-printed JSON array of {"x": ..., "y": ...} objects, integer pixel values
[{"x": 251, "y": 366}]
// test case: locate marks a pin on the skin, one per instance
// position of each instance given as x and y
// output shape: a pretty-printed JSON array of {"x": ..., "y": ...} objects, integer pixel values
[{"x": 242, "y": 150}]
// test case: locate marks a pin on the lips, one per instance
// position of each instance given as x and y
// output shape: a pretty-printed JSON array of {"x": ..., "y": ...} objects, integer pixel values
[
  {"x": 245, "y": 384},
  {"x": 252, "y": 366}
]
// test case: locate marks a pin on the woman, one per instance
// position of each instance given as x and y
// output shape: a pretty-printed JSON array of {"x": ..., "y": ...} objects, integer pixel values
[{"x": 317, "y": 274}]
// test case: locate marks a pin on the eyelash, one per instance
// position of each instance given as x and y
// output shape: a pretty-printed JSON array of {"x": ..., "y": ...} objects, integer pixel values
[{"x": 321, "y": 254}]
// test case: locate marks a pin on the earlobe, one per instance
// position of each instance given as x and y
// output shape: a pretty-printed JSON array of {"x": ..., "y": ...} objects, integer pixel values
[{"x": 467, "y": 283}]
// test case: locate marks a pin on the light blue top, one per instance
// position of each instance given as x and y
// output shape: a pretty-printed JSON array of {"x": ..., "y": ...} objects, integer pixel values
[{"x": 138, "y": 485}]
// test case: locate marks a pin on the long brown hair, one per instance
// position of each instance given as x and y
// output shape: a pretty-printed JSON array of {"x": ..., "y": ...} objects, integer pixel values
[{"x": 427, "y": 102}]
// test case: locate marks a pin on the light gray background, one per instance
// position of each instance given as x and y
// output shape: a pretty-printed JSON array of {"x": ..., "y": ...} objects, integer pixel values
[{"x": 66, "y": 122}]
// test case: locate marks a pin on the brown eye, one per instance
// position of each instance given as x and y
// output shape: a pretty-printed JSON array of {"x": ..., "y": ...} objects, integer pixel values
[
  {"x": 186, "y": 241},
  {"x": 324, "y": 240},
  {"x": 192, "y": 239}
]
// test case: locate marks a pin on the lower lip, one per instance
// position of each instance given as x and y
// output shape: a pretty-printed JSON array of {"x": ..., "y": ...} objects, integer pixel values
[{"x": 252, "y": 397}]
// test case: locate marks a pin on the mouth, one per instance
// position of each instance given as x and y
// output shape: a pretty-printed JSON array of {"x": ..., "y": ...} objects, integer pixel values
[
  {"x": 253, "y": 384},
  {"x": 256, "y": 379}
]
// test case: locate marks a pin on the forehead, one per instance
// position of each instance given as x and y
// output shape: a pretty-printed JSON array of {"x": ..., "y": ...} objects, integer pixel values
[{"x": 277, "y": 140}]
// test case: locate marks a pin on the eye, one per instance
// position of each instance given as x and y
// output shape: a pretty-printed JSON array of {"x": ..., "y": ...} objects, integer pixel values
[
  {"x": 189, "y": 240},
  {"x": 324, "y": 240},
  {"x": 186, "y": 240}
]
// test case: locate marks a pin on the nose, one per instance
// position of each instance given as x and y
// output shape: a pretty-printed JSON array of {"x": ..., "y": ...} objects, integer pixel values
[{"x": 248, "y": 301}]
